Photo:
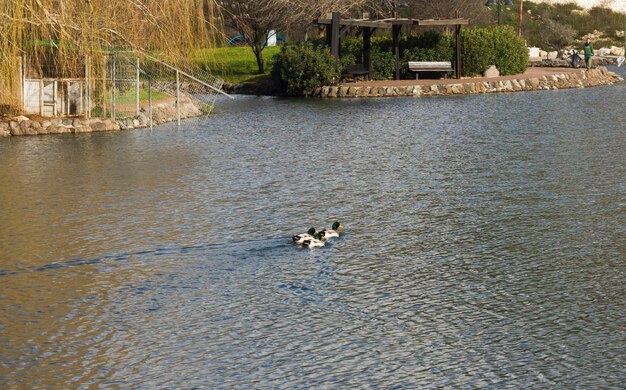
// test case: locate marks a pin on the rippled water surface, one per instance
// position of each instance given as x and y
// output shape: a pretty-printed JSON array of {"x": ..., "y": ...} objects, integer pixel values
[{"x": 484, "y": 246}]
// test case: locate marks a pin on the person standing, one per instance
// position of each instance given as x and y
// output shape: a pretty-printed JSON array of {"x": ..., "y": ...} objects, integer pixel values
[{"x": 588, "y": 48}]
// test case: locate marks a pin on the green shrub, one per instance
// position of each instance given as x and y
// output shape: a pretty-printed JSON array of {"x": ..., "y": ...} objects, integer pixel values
[
  {"x": 493, "y": 46},
  {"x": 383, "y": 64},
  {"x": 298, "y": 70},
  {"x": 352, "y": 46},
  {"x": 430, "y": 46},
  {"x": 383, "y": 60}
]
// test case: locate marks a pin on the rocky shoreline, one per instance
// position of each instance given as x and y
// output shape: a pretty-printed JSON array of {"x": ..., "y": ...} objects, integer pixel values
[
  {"x": 166, "y": 111},
  {"x": 161, "y": 113},
  {"x": 572, "y": 78}
]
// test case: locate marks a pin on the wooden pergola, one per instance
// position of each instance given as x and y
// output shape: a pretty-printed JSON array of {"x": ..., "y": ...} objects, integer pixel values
[{"x": 336, "y": 27}]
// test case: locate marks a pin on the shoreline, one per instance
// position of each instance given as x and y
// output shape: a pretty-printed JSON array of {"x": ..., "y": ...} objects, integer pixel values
[
  {"x": 534, "y": 79},
  {"x": 162, "y": 112}
]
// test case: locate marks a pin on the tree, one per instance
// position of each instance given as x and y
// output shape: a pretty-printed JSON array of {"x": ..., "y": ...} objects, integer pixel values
[
  {"x": 254, "y": 20},
  {"x": 474, "y": 10}
]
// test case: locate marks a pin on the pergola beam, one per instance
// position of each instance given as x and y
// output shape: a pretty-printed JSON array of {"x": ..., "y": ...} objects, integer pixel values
[
  {"x": 442, "y": 22},
  {"x": 388, "y": 23},
  {"x": 355, "y": 23}
]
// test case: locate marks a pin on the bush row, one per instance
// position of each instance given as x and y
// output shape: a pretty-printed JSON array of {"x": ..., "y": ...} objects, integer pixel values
[{"x": 302, "y": 68}]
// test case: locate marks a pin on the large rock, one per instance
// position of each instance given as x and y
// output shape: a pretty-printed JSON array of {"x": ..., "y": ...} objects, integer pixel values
[
  {"x": 16, "y": 130},
  {"x": 534, "y": 82},
  {"x": 4, "y": 129},
  {"x": 617, "y": 51},
  {"x": 492, "y": 71},
  {"x": 98, "y": 126},
  {"x": 26, "y": 128},
  {"x": 82, "y": 129},
  {"x": 58, "y": 129},
  {"x": 110, "y": 125},
  {"x": 143, "y": 120},
  {"x": 534, "y": 51}
]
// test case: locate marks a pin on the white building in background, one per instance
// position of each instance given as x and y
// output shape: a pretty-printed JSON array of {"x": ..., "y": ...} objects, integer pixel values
[{"x": 271, "y": 37}]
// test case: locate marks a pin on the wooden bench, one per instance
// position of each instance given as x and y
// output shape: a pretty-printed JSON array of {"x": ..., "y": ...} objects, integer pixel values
[
  {"x": 430, "y": 66},
  {"x": 356, "y": 70}
]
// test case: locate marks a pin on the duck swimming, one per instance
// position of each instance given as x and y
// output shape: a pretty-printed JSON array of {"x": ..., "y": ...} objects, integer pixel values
[
  {"x": 309, "y": 235},
  {"x": 316, "y": 241},
  {"x": 334, "y": 231}
]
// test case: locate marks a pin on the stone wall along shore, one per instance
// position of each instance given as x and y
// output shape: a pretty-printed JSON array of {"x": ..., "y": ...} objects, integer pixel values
[
  {"x": 161, "y": 113},
  {"x": 580, "y": 78}
]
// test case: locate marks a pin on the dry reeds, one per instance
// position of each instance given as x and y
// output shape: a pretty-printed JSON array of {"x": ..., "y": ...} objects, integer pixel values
[{"x": 79, "y": 29}]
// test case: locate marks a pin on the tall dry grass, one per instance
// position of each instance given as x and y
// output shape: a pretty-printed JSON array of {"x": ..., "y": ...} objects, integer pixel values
[{"x": 87, "y": 29}]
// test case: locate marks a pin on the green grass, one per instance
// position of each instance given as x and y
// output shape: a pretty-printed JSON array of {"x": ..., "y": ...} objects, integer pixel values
[
  {"x": 129, "y": 96},
  {"x": 234, "y": 64}
]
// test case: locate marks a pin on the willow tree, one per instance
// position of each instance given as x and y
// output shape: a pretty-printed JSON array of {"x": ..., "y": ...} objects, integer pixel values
[{"x": 80, "y": 29}]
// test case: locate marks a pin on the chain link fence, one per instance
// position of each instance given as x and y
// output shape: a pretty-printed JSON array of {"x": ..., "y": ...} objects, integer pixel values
[{"x": 139, "y": 86}]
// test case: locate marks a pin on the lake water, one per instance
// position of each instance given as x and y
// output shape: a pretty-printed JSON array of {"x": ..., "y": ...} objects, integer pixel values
[{"x": 484, "y": 246}]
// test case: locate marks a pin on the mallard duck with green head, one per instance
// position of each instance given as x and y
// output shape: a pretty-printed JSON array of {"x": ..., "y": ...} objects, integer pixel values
[
  {"x": 316, "y": 242},
  {"x": 309, "y": 235},
  {"x": 333, "y": 231}
]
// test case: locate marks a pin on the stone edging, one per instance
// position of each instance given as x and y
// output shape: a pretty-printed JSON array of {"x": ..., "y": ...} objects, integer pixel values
[
  {"x": 579, "y": 79},
  {"x": 161, "y": 113}
]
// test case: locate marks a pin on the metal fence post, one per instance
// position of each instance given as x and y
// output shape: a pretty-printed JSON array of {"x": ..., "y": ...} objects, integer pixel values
[
  {"x": 41, "y": 97},
  {"x": 150, "y": 101},
  {"x": 137, "y": 87},
  {"x": 54, "y": 97},
  {"x": 87, "y": 89},
  {"x": 104, "y": 86},
  {"x": 178, "y": 97},
  {"x": 23, "y": 70},
  {"x": 113, "y": 86}
]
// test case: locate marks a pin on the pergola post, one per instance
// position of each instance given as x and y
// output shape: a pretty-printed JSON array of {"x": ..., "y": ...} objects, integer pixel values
[
  {"x": 457, "y": 53},
  {"x": 335, "y": 25},
  {"x": 367, "y": 48},
  {"x": 457, "y": 47},
  {"x": 396, "y": 47}
]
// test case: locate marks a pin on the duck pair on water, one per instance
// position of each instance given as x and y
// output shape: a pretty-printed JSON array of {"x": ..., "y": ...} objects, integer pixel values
[{"x": 315, "y": 238}]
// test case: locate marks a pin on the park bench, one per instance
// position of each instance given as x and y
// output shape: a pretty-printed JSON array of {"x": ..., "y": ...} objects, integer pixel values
[
  {"x": 355, "y": 70},
  {"x": 430, "y": 66}
]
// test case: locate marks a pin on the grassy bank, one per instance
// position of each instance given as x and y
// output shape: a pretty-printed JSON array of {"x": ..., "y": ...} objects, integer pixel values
[{"x": 234, "y": 64}]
